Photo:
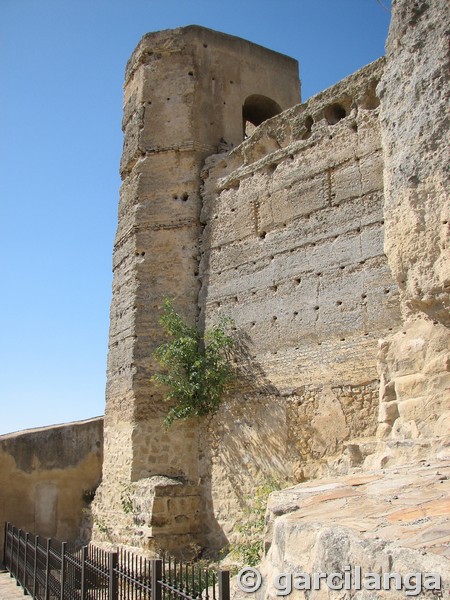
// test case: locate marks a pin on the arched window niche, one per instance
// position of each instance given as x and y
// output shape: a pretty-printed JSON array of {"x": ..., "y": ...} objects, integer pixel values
[{"x": 256, "y": 110}]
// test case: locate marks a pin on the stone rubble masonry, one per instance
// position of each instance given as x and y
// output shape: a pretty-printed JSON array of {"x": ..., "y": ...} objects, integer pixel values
[
  {"x": 44, "y": 474},
  {"x": 183, "y": 99}
]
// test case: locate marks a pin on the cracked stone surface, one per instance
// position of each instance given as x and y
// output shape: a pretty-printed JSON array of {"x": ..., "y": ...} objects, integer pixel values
[{"x": 391, "y": 520}]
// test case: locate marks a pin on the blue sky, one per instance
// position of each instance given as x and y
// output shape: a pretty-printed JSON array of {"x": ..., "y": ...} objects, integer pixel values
[{"x": 62, "y": 64}]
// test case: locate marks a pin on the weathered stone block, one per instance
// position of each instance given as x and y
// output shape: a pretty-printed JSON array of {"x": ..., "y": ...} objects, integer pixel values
[
  {"x": 346, "y": 182},
  {"x": 371, "y": 172},
  {"x": 388, "y": 412},
  {"x": 410, "y": 386}
]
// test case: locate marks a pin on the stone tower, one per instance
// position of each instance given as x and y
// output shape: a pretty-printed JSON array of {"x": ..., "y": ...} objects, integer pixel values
[{"x": 189, "y": 93}]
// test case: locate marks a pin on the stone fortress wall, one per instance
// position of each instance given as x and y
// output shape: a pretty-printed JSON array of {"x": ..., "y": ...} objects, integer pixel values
[
  {"x": 285, "y": 232},
  {"x": 321, "y": 229},
  {"x": 394, "y": 516},
  {"x": 184, "y": 93},
  {"x": 292, "y": 251},
  {"x": 48, "y": 476}
]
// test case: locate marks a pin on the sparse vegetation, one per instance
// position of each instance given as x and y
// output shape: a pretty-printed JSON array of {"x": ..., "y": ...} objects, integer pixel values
[
  {"x": 197, "y": 367},
  {"x": 250, "y": 550},
  {"x": 102, "y": 527},
  {"x": 126, "y": 500}
]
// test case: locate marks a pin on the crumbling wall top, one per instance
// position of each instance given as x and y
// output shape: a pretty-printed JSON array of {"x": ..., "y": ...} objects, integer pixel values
[{"x": 175, "y": 40}]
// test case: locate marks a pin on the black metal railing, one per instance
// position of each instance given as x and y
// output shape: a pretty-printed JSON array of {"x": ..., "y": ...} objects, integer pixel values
[{"x": 48, "y": 569}]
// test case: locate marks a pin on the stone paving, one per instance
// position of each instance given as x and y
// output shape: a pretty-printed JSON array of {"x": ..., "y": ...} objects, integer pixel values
[{"x": 8, "y": 588}]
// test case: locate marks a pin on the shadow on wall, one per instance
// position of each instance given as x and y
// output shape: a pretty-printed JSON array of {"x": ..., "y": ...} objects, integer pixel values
[
  {"x": 245, "y": 445},
  {"x": 262, "y": 435},
  {"x": 48, "y": 477}
]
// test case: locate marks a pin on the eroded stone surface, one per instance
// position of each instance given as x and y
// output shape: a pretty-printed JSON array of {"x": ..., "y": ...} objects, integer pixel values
[
  {"x": 414, "y": 120},
  {"x": 414, "y": 363},
  {"x": 391, "y": 520},
  {"x": 292, "y": 251},
  {"x": 183, "y": 99}
]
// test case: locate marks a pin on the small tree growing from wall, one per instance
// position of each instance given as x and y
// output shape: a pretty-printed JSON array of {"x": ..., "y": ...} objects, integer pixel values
[{"x": 198, "y": 367}]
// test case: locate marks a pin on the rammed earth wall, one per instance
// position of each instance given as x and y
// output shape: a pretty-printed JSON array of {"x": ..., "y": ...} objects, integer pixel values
[
  {"x": 292, "y": 251},
  {"x": 283, "y": 233},
  {"x": 48, "y": 476},
  {"x": 320, "y": 229}
]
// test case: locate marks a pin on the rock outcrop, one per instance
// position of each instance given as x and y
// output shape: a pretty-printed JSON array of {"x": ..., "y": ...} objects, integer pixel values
[
  {"x": 391, "y": 521},
  {"x": 414, "y": 363}
]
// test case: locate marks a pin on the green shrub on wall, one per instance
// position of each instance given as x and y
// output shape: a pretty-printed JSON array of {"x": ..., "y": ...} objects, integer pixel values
[{"x": 197, "y": 368}]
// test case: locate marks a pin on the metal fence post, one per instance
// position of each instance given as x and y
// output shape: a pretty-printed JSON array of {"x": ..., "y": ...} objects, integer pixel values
[
  {"x": 113, "y": 586},
  {"x": 19, "y": 561},
  {"x": 63, "y": 567},
  {"x": 16, "y": 574},
  {"x": 224, "y": 585},
  {"x": 5, "y": 540},
  {"x": 7, "y": 555},
  {"x": 11, "y": 553},
  {"x": 25, "y": 564},
  {"x": 156, "y": 586},
  {"x": 47, "y": 569},
  {"x": 36, "y": 544},
  {"x": 84, "y": 556}
]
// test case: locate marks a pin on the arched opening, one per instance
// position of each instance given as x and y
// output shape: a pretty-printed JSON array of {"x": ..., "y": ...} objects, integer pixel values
[
  {"x": 334, "y": 113},
  {"x": 256, "y": 110},
  {"x": 309, "y": 122}
]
